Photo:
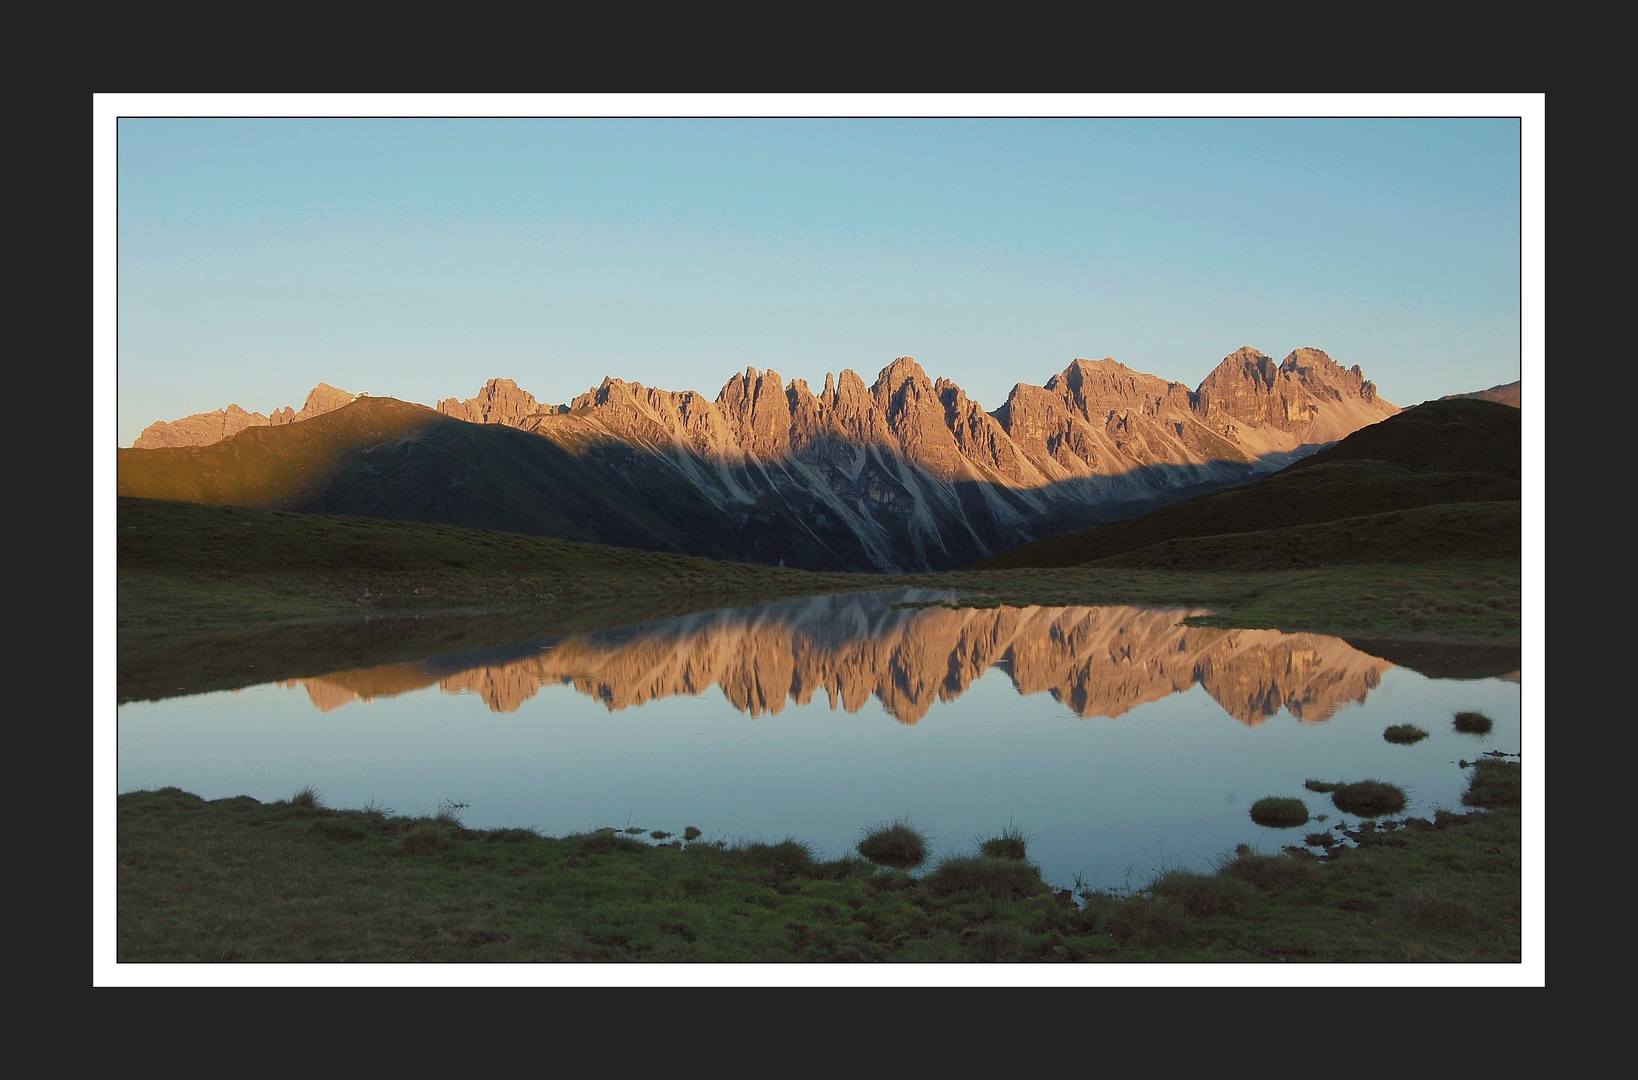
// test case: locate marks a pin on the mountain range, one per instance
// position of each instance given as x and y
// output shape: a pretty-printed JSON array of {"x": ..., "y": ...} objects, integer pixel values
[{"x": 907, "y": 473}]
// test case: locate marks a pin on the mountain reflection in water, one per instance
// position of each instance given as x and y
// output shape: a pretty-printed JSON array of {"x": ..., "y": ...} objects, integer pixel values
[{"x": 1098, "y": 661}]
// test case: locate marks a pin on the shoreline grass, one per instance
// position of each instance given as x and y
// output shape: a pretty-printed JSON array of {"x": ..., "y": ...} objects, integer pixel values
[{"x": 295, "y": 880}]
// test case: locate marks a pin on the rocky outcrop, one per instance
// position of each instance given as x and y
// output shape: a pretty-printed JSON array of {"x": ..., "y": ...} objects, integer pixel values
[
  {"x": 202, "y": 429},
  {"x": 1307, "y": 400},
  {"x": 499, "y": 402},
  {"x": 1096, "y": 661}
]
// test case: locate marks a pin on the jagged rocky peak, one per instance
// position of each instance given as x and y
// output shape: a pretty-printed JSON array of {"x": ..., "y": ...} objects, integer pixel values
[
  {"x": 203, "y": 429},
  {"x": 501, "y": 401},
  {"x": 324, "y": 398},
  {"x": 895, "y": 376},
  {"x": 1307, "y": 394},
  {"x": 1316, "y": 370},
  {"x": 758, "y": 411},
  {"x": 1097, "y": 388}
]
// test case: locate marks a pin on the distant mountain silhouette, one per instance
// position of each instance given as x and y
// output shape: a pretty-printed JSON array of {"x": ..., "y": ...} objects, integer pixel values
[
  {"x": 1434, "y": 481},
  {"x": 905, "y": 474},
  {"x": 202, "y": 429},
  {"x": 1504, "y": 393}
]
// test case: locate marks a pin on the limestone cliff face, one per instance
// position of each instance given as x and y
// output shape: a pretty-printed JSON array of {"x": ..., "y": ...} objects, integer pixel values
[
  {"x": 908, "y": 473},
  {"x": 1097, "y": 661},
  {"x": 202, "y": 429}
]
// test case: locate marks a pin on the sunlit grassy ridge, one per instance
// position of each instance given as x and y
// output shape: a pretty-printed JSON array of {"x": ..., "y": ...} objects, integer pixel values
[{"x": 272, "y": 466}]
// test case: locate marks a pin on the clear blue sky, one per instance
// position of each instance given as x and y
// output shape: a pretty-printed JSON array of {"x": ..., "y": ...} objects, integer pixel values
[{"x": 418, "y": 258}]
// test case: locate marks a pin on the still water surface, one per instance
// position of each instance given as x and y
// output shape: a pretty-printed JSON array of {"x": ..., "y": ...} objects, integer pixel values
[{"x": 1117, "y": 738}]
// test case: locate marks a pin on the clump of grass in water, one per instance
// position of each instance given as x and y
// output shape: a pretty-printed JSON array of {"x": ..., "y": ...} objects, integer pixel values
[
  {"x": 691, "y": 834},
  {"x": 1404, "y": 733},
  {"x": 1472, "y": 723},
  {"x": 1010, "y": 843},
  {"x": 1368, "y": 798},
  {"x": 1495, "y": 783},
  {"x": 897, "y": 844},
  {"x": 1320, "y": 786},
  {"x": 1279, "y": 813}
]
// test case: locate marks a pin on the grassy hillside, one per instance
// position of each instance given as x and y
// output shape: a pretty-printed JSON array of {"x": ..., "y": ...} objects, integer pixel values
[
  {"x": 1454, "y": 436},
  {"x": 1490, "y": 530},
  {"x": 272, "y": 466},
  {"x": 1439, "y": 453},
  {"x": 190, "y": 564}
]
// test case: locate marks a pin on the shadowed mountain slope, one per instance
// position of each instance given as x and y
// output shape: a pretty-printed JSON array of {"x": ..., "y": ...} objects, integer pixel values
[
  {"x": 1383, "y": 481},
  {"x": 379, "y": 457}
]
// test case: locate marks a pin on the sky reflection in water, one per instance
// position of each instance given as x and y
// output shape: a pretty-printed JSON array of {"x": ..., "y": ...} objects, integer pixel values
[{"x": 1117, "y": 738}]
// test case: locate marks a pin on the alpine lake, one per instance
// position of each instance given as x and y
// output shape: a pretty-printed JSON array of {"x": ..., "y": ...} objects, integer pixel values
[{"x": 1119, "y": 740}]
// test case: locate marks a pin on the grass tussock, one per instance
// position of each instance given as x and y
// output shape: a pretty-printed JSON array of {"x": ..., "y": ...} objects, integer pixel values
[
  {"x": 1010, "y": 843},
  {"x": 1432, "y": 910},
  {"x": 428, "y": 836},
  {"x": 1404, "y": 734},
  {"x": 1368, "y": 798},
  {"x": 1148, "y": 920},
  {"x": 307, "y": 796},
  {"x": 1001, "y": 879},
  {"x": 897, "y": 844},
  {"x": 606, "y": 842},
  {"x": 1202, "y": 896},
  {"x": 788, "y": 858},
  {"x": 1279, "y": 813},
  {"x": 1271, "y": 873},
  {"x": 1495, "y": 784},
  {"x": 1472, "y": 723},
  {"x": 997, "y": 942}
]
